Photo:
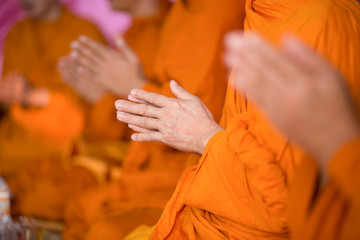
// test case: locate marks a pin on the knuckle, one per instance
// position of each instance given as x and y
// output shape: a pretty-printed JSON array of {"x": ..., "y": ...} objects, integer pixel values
[
  {"x": 144, "y": 121},
  {"x": 144, "y": 109},
  {"x": 177, "y": 104}
]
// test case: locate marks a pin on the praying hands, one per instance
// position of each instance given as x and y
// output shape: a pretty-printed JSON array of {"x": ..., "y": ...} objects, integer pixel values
[
  {"x": 303, "y": 95},
  {"x": 183, "y": 123},
  {"x": 101, "y": 68}
]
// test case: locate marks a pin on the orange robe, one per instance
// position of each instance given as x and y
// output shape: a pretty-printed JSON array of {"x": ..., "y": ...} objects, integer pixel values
[
  {"x": 98, "y": 152},
  {"x": 190, "y": 52},
  {"x": 33, "y": 137},
  {"x": 239, "y": 189},
  {"x": 331, "y": 212}
]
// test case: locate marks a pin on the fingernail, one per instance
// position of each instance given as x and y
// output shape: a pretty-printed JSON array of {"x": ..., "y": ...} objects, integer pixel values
[
  {"x": 118, "y": 104},
  {"x": 73, "y": 54},
  {"x": 83, "y": 38},
  {"x": 133, "y": 137},
  {"x": 74, "y": 44},
  {"x": 133, "y": 92},
  {"x": 173, "y": 82},
  {"x": 235, "y": 43},
  {"x": 120, "y": 115}
]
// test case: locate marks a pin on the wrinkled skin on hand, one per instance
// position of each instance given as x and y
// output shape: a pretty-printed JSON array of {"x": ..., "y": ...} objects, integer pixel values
[
  {"x": 116, "y": 71},
  {"x": 298, "y": 90},
  {"x": 183, "y": 123},
  {"x": 88, "y": 89},
  {"x": 15, "y": 90}
]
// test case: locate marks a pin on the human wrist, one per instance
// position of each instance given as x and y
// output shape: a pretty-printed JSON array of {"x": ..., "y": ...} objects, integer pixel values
[
  {"x": 334, "y": 141},
  {"x": 212, "y": 130}
]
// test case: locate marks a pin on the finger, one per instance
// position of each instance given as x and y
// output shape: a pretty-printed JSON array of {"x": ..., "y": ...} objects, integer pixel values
[
  {"x": 73, "y": 78},
  {"x": 138, "y": 109},
  {"x": 179, "y": 91},
  {"x": 265, "y": 63},
  {"x": 125, "y": 49},
  {"x": 83, "y": 50},
  {"x": 141, "y": 121},
  {"x": 131, "y": 98},
  {"x": 83, "y": 63},
  {"x": 97, "y": 50},
  {"x": 139, "y": 129},
  {"x": 153, "y": 98},
  {"x": 66, "y": 70},
  {"x": 298, "y": 52},
  {"x": 232, "y": 42},
  {"x": 152, "y": 136},
  {"x": 135, "y": 100}
]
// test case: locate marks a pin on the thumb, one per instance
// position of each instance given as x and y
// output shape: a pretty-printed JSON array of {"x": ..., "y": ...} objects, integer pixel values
[
  {"x": 124, "y": 48},
  {"x": 179, "y": 91}
]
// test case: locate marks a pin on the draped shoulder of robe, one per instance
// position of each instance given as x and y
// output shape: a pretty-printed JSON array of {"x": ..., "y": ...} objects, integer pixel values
[
  {"x": 189, "y": 51},
  {"x": 239, "y": 189}
]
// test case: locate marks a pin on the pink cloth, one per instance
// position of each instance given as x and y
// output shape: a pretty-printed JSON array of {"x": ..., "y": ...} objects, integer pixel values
[{"x": 97, "y": 11}]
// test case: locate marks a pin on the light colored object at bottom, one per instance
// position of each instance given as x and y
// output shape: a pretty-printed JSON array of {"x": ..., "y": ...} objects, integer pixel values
[{"x": 142, "y": 232}]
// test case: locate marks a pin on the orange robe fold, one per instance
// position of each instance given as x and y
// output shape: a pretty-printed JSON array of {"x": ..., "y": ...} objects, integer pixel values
[
  {"x": 41, "y": 135},
  {"x": 239, "y": 189},
  {"x": 332, "y": 211},
  {"x": 190, "y": 52}
]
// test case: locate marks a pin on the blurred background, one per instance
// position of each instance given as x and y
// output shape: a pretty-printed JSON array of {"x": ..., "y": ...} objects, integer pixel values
[{"x": 97, "y": 11}]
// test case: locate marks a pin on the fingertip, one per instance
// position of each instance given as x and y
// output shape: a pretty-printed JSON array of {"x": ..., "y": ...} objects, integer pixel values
[
  {"x": 74, "y": 44},
  {"x": 134, "y": 92},
  {"x": 74, "y": 54},
  {"x": 120, "y": 115},
  {"x": 117, "y": 104},
  {"x": 120, "y": 41},
  {"x": 83, "y": 38},
  {"x": 134, "y": 137},
  {"x": 173, "y": 83},
  {"x": 132, "y": 127},
  {"x": 233, "y": 39},
  {"x": 131, "y": 98}
]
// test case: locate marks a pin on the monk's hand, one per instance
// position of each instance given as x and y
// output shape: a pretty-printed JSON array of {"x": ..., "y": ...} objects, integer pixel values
[
  {"x": 183, "y": 123},
  {"x": 15, "y": 90},
  {"x": 299, "y": 91},
  {"x": 91, "y": 91},
  {"x": 119, "y": 71}
]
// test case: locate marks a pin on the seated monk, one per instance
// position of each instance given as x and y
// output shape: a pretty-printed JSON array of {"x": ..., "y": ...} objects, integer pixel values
[
  {"x": 326, "y": 124},
  {"x": 43, "y": 114},
  {"x": 188, "y": 50},
  {"x": 43, "y": 193},
  {"x": 239, "y": 188},
  {"x": 93, "y": 63}
]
